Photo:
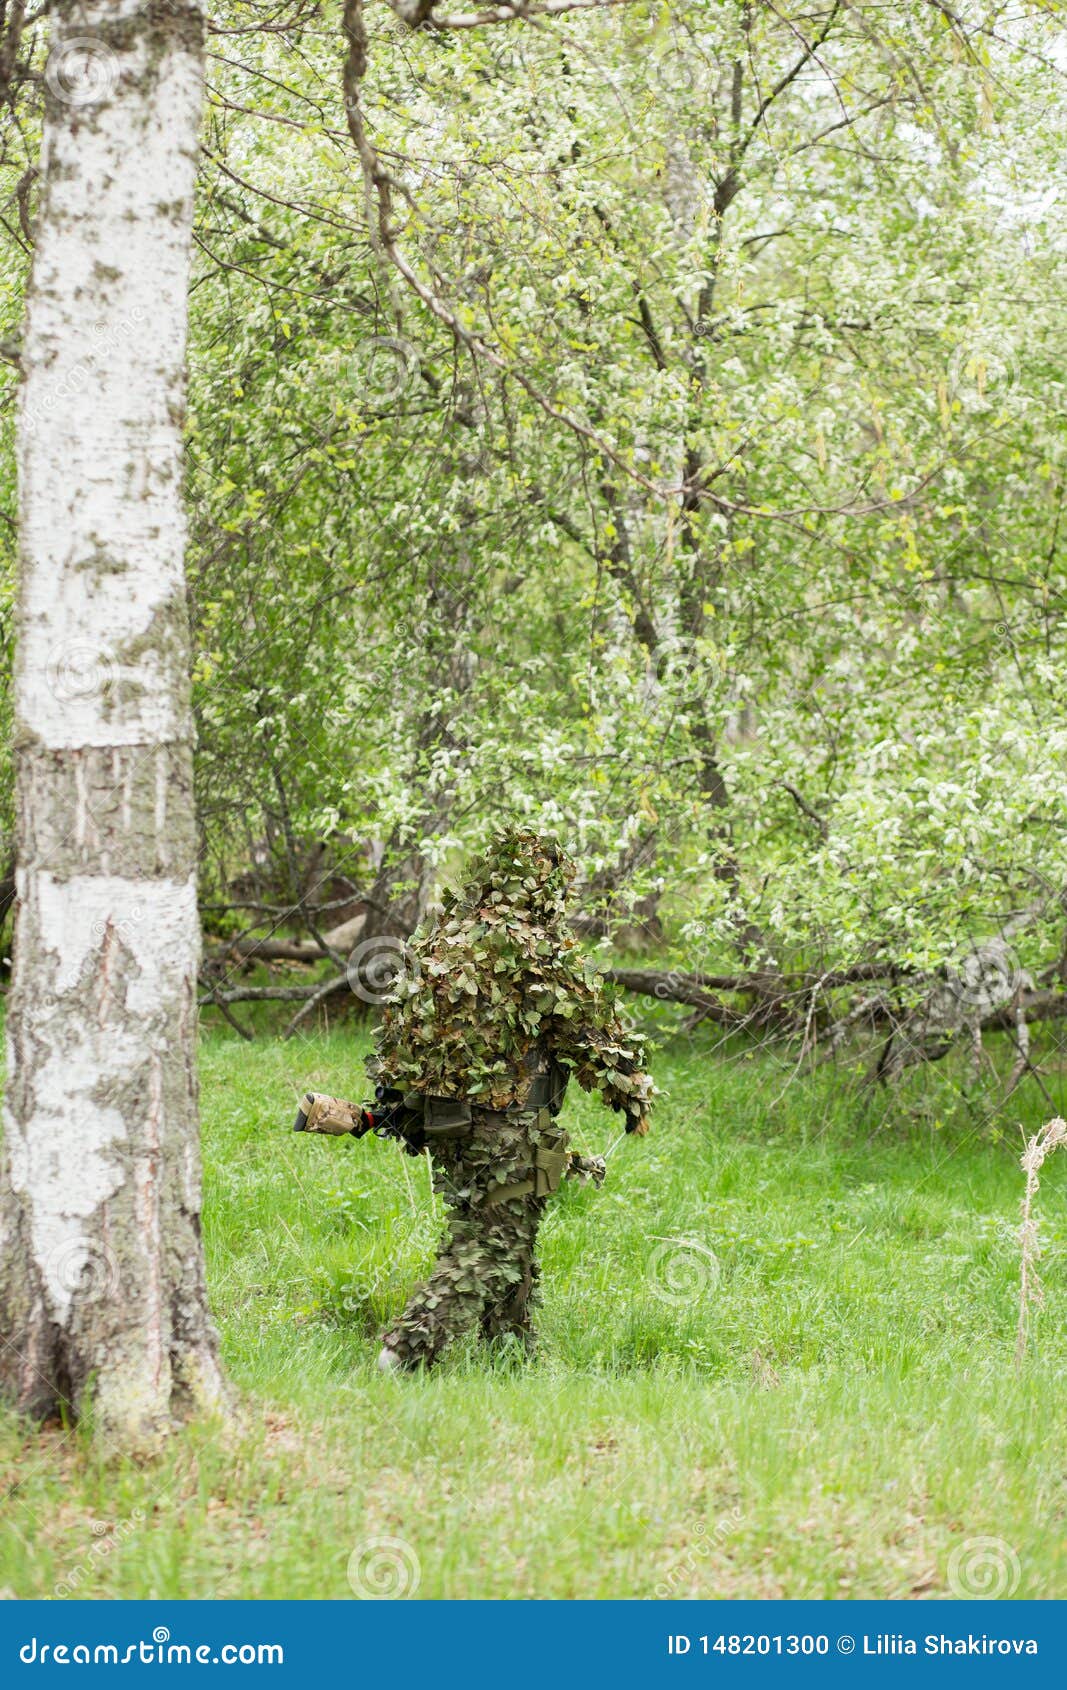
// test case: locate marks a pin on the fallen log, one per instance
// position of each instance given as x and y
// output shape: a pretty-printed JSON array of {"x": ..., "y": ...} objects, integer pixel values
[
  {"x": 1036, "y": 1006},
  {"x": 925, "y": 1032},
  {"x": 250, "y": 949},
  {"x": 679, "y": 985},
  {"x": 690, "y": 989},
  {"x": 257, "y": 994},
  {"x": 267, "y": 950}
]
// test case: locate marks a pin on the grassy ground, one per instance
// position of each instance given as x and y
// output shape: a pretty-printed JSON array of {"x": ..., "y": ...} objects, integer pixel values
[{"x": 776, "y": 1360}]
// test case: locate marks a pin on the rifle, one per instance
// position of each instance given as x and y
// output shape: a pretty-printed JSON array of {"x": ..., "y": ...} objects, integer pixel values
[
  {"x": 416, "y": 1122},
  {"x": 337, "y": 1118}
]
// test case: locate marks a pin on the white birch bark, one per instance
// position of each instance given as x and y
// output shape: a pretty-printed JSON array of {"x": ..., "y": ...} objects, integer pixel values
[{"x": 102, "y": 1292}]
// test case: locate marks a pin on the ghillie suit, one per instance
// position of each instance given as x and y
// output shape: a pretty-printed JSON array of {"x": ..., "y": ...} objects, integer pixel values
[{"x": 496, "y": 1010}]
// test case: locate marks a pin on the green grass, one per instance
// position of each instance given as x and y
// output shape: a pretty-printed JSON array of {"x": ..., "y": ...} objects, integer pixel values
[{"x": 812, "y": 1396}]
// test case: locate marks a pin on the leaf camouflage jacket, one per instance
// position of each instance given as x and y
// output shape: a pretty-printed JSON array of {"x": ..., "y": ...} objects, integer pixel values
[{"x": 496, "y": 1011}]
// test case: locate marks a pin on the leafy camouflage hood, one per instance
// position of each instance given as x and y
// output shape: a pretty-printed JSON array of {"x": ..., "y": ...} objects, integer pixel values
[
  {"x": 495, "y": 980},
  {"x": 522, "y": 877}
]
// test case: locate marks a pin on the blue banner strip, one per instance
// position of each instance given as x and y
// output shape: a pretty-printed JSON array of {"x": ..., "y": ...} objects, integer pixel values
[{"x": 537, "y": 1644}]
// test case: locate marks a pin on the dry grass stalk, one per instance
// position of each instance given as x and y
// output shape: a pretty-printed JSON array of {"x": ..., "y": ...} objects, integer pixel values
[{"x": 1042, "y": 1144}]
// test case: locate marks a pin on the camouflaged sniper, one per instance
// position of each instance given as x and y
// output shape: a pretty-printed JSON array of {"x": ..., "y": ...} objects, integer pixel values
[{"x": 497, "y": 1010}]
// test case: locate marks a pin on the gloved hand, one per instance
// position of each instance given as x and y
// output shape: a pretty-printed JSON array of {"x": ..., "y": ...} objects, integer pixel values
[
  {"x": 587, "y": 1167},
  {"x": 332, "y": 1115}
]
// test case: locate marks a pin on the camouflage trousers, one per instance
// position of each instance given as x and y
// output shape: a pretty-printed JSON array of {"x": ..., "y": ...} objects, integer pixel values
[{"x": 485, "y": 1276}]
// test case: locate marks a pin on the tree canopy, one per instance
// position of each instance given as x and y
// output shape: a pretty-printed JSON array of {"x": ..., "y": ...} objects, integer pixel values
[{"x": 638, "y": 421}]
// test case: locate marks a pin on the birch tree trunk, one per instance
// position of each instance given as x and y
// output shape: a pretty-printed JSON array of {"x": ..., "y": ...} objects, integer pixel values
[{"x": 102, "y": 1296}]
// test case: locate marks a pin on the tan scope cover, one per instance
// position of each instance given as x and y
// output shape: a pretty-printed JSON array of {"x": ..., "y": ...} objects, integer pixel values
[{"x": 330, "y": 1114}]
